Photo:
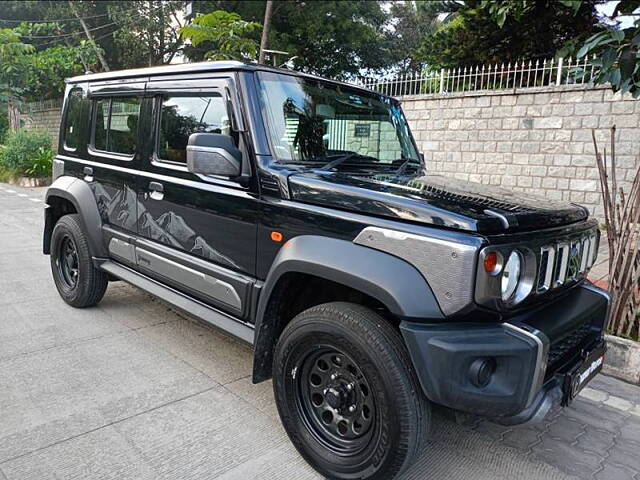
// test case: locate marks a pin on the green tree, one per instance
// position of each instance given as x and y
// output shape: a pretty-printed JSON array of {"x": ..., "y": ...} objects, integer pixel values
[
  {"x": 45, "y": 70},
  {"x": 129, "y": 34},
  {"x": 506, "y": 31},
  {"x": 330, "y": 38},
  {"x": 148, "y": 31},
  {"x": 12, "y": 53},
  {"x": 225, "y": 33},
  {"x": 618, "y": 51},
  {"x": 412, "y": 22}
]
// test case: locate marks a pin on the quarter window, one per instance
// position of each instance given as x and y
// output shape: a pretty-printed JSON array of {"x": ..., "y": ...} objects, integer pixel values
[
  {"x": 116, "y": 124},
  {"x": 73, "y": 120},
  {"x": 180, "y": 116}
]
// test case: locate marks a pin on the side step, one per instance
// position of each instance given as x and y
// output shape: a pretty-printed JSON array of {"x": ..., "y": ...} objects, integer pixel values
[{"x": 181, "y": 301}]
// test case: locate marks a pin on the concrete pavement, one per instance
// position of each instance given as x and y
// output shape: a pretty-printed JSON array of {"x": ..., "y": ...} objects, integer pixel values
[{"x": 132, "y": 390}]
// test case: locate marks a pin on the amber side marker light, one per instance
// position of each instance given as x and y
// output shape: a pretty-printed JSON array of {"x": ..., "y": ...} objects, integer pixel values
[
  {"x": 276, "y": 236},
  {"x": 490, "y": 262}
]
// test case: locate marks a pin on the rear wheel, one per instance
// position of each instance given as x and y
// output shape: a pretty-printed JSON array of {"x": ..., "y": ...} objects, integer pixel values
[
  {"x": 78, "y": 281},
  {"x": 347, "y": 393}
]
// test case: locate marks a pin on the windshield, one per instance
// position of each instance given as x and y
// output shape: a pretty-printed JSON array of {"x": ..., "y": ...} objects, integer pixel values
[{"x": 312, "y": 121}]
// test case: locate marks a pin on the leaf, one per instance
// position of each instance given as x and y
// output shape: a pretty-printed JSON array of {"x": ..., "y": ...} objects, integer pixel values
[
  {"x": 617, "y": 35},
  {"x": 609, "y": 57},
  {"x": 627, "y": 63},
  {"x": 615, "y": 77},
  {"x": 583, "y": 50},
  {"x": 502, "y": 17},
  {"x": 573, "y": 4}
]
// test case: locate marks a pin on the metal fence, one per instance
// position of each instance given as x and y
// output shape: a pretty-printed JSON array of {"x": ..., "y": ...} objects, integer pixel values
[{"x": 520, "y": 75}]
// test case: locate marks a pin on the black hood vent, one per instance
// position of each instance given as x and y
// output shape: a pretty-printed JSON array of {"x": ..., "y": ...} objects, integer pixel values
[{"x": 442, "y": 194}]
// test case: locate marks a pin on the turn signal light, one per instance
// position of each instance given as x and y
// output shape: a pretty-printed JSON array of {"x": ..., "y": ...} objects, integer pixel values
[
  {"x": 490, "y": 262},
  {"x": 276, "y": 236}
]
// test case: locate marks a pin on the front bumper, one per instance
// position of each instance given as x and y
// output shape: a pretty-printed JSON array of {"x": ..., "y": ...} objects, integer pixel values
[{"x": 514, "y": 371}]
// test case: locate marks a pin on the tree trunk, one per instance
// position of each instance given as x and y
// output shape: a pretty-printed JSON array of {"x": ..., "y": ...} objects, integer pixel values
[
  {"x": 14, "y": 115},
  {"x": 264, "y": 43},
  {"x": 103, "y": 61}
]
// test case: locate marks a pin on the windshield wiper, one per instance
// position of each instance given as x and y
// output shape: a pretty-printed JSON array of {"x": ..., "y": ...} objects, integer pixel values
[
  {"x": 403, "y": 166},
  {"x": 345, "y": 158}
]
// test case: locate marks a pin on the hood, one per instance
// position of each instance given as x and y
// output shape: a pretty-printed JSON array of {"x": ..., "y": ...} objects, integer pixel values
[{"x": 434, "y": 200}]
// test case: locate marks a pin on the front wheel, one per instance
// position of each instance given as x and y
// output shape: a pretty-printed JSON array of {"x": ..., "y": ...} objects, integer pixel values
[
  {"x": 78, "y": 281},
  {"x": 347, "y": 394}
]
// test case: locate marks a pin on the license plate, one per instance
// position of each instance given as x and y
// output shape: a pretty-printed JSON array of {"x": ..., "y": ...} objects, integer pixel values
[{"x": 583, "y": 374}]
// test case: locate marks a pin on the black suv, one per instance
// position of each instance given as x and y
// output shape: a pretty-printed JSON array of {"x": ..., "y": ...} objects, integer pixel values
[{"x": 296, "y": 214}]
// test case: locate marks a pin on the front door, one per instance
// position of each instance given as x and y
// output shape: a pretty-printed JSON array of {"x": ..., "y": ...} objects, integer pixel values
[{"x": 198, "y": 232}]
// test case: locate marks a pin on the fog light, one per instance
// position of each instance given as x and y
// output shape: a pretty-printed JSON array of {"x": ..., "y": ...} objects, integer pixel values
[{"x": 481, "y": 371}]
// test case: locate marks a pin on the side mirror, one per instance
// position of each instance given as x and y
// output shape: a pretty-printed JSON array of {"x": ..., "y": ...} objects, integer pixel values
[{"x": 213, "y": 154}]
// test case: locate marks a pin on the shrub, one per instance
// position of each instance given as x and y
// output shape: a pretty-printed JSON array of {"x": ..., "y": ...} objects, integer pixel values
[
  {"x": 42, "y": 163},
  {"x": 27, "y": 151}
]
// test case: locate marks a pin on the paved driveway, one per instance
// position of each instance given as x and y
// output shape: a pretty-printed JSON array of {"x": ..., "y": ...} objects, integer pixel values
[{"x": 131, "y": 390}]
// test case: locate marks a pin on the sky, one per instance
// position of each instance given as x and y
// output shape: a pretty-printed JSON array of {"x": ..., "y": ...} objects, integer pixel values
[{"x": 607, "y": 9}]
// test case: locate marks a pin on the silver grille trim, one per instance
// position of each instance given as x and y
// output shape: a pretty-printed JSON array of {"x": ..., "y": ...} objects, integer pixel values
[{"x": 565, "y": 262}]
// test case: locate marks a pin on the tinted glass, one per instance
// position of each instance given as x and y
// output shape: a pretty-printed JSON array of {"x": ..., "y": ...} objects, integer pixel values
[
  {"x": 116, "y": 124},
  {"x": 73, "y": 120},
  {"x": 311, "y": 120},
  {"x": 102, "y": 123},
  {"x": 182, "y": 116},
  {"x": 123, "y": 125}
]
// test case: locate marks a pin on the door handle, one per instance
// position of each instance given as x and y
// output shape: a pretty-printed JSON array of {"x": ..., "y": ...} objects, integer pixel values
[
  {"x": 88, "y": 174},
  {"x": 157, "y": 191}
]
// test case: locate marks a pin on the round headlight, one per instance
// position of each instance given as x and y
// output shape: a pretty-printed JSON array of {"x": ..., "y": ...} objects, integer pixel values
[{"x": 511, "y": 275}]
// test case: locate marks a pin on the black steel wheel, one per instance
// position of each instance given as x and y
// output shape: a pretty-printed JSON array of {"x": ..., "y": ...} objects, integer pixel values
[
  {"x": 78, "y": 281},
  {"x": 347, "y": 393},
  {"x": 67, "y": 262},
  {"x": 335, "y": 401}
]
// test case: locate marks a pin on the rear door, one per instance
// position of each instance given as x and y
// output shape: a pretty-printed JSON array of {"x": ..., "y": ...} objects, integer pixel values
[
  {"x": 197, "y": 233},
  {"x": 99, "y": 144},
  {"x": 114, "y": 151}
]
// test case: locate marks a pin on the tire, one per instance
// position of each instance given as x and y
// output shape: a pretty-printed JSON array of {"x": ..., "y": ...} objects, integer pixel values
[
  {"x": 345, "y": 359},
  {"x": 78, "y": 281}
]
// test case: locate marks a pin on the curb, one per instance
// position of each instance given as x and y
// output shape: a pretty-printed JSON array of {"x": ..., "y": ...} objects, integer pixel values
[
  {"x": 29, "y": 182},
  {"x": 622, "y": 359}
]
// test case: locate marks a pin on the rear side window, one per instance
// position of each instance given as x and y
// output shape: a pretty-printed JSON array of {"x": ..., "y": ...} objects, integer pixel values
[
  {"x": 73, "y": 120},
  {"x": 180, "y": 116},
  {"x": 116, "y": 124}
]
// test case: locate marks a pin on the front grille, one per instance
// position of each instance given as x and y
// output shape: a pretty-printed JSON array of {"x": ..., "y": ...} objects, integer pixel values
[
  {"x": 566, "y": 261},
  {"x": 568, "y": 344}
]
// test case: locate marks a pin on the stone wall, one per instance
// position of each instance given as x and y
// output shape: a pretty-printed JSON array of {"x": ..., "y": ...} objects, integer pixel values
[
  {"x": 43, "y": 116},
  {"x": 537, "y": 140}
]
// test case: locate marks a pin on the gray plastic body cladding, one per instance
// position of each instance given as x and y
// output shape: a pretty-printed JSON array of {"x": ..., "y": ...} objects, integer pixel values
[
  {"x": 442, "y": 355},
  {"x": 193, "y": 279},
  {"x": 390, "y": 280},
  {"x": 122, "y": 251},
  {"x": 449, "y": 267},
  {"x": 82, "y": 198}
]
